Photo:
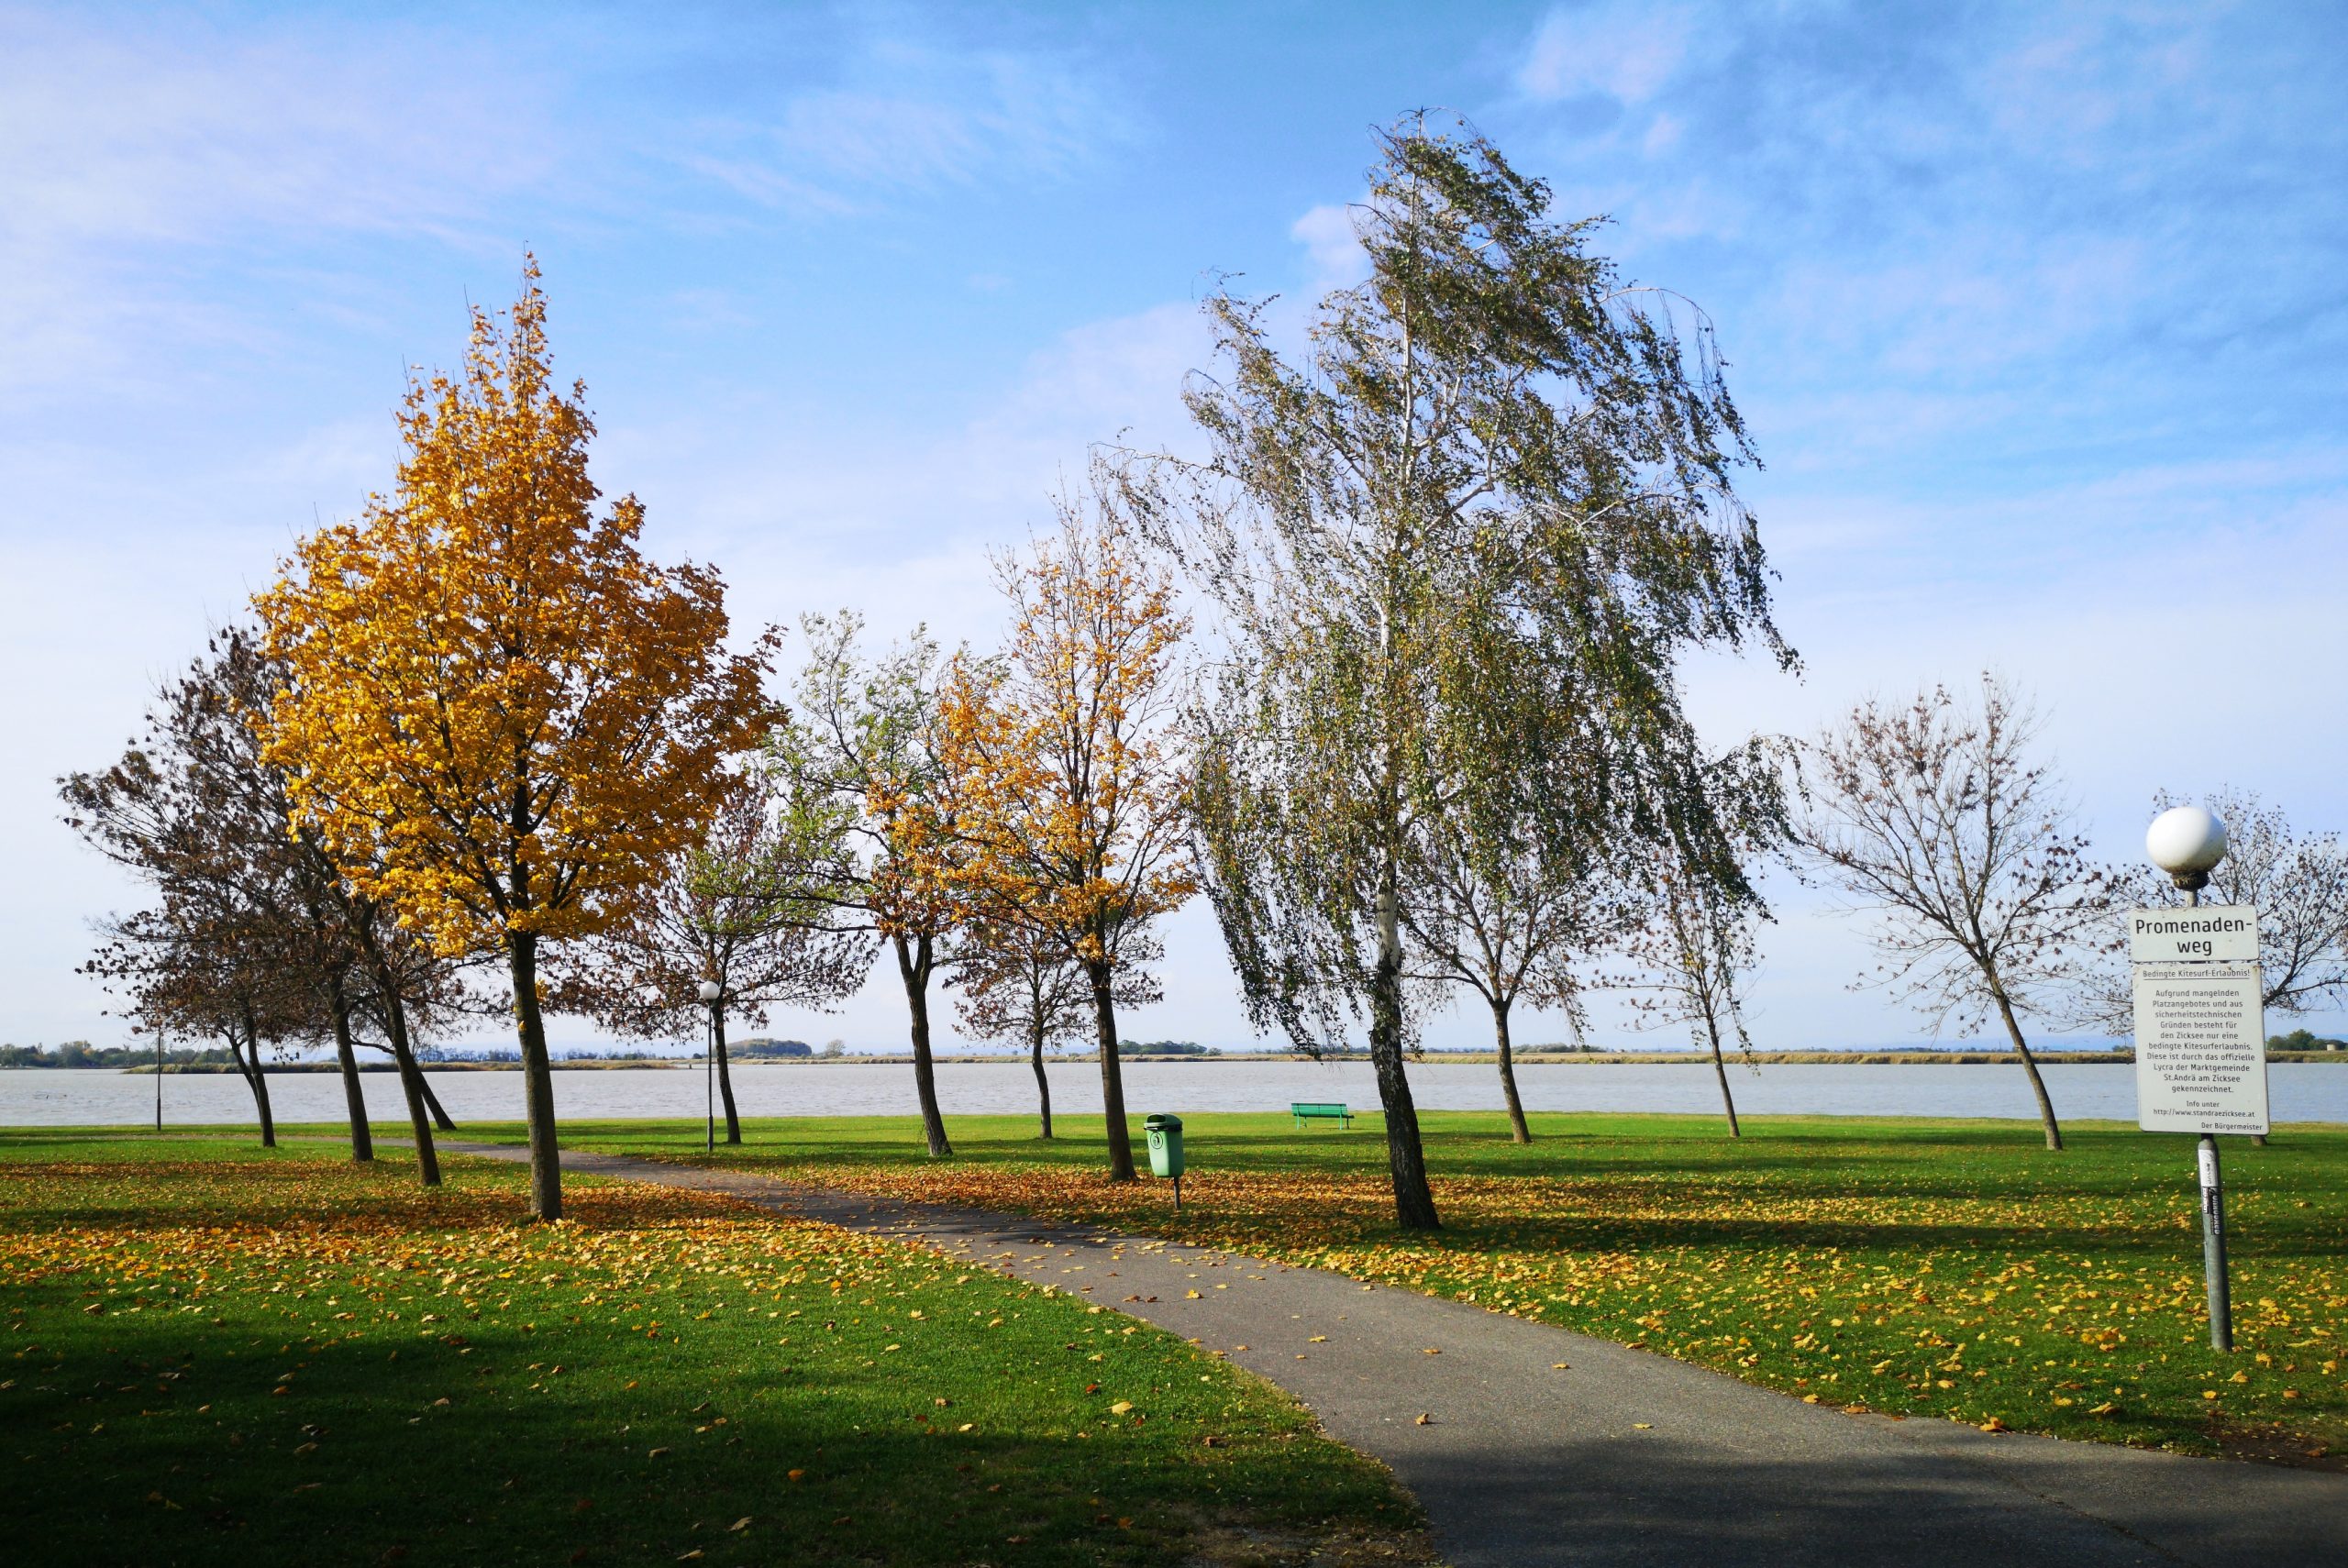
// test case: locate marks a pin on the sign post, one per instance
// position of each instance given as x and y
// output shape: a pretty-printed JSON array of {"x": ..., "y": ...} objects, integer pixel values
[{"x": 2201, "y": 1025}]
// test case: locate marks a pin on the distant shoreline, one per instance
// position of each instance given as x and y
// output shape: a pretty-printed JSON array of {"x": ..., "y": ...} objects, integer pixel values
[{"x": 1463, "y": 1059}]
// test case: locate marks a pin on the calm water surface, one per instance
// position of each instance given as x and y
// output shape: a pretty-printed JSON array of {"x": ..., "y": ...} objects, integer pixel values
[{"x": 37, "y": 1097}]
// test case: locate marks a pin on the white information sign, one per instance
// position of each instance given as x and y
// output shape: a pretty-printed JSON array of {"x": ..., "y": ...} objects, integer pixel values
[
  {"x": 2224, "y": 933},
  {"x": 2200, "y": 1048}
]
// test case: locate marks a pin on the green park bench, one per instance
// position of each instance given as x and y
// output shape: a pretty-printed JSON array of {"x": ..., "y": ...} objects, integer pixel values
[{"x": 1307, "y": 1111}]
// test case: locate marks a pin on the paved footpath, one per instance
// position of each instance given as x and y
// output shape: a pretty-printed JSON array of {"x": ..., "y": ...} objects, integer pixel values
[{"x": 1620, "y": 1458}]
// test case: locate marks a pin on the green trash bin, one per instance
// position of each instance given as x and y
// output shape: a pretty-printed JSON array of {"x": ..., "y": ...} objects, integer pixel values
[
  {"x": 1165, "y": 1146},
  {"x": 1165, "y": 1135}
]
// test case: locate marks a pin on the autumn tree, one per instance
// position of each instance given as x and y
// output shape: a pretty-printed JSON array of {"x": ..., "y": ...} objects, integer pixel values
[
  {"x": 1935, "y": 818},
  {"x": 1021, "y": 983},
  {"x": 1500, "y": 471},
  {"x": 1502, "y": 905},
  {"x": 410, "y": 992},
  {"x": 743, "y": 907},
  {"x": 1696, "y": 957},
  {"x": 2298, "y": 881},
  {"x": 858, "y": 762},
  {"x": 1495, "y": 921},
  {"x": 1066, "y": 777},
  {"x": 250, "y": 903},
  {"x": 190, "y": 968},
  {"x": 499, "y": 717}
]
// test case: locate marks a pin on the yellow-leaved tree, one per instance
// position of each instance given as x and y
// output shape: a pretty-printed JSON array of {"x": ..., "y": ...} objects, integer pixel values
[
  {"x": 499, "y": 716},
  {"x": 1064, "y": 776}
]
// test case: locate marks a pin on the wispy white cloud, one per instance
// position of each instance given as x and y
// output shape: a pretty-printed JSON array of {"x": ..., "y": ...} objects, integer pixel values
[
  {"x": 116, "y": 147},
  {"x": 1330, "y": 247},
  {"x": 177, "y": 134},
  {"x": 1616, "y": 49},
  {"x": 909, "y": 118},
  {"x": 810, "y": 512},
  {"x": 137, "y": 167}
]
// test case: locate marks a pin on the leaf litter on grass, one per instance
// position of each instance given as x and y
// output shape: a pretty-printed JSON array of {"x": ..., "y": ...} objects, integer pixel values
[{"x": 2076, "y": 1313}]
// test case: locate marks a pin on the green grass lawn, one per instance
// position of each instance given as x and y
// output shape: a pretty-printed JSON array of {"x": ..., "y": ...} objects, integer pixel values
[
  {"x": 1943, "y": 1268},
  {"x": 222, "y": 1355}
]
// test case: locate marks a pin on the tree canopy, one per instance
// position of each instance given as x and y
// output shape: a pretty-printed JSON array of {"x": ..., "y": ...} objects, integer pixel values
[
  {"x": 499, "y": 716},
  {"x": 1469, "y": 533}
]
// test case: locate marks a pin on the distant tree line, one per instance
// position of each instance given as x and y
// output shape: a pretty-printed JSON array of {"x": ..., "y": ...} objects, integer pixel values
[{"x": 82, "y": 1054}]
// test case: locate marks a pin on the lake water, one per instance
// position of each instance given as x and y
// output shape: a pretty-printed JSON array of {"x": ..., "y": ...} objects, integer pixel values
[{"x": 37, "y": 1097}]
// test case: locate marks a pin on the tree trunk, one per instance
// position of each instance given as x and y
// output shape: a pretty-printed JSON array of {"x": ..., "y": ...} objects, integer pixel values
[
  {"x": 1112, "y": 1077},
  {"x": 538, "y": 1077},
  {"x": 1405, "y": 1159},
  {"x": 1043, "y": 1084},
  {"x": 1719, "y": 1071},
  {"x": 1518, "y": 1130},
  {"x": 362, "y": 1137},
  {"x": 254, "y": 1080},
  {"x": 440, "y": 1117},
  {"x": 2030, "y": 1065},
  {"x": 419, "y": 1119},
  {"x": 913, "y": 957},
  {"x": 724, "y": 1079}
]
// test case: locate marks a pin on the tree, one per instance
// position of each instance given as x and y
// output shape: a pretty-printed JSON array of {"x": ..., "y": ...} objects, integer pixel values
[
  {"x": 250, "y": 905},
  {"x": 1021, "y": 983},
  {"x": 1934, "y": 817},
  {"x": 186, "y": 974},
  {"x": 735, "y": 907},
  {"x": 410, "y": 993},
  {"x": 2298, "y": 883},
  {"x": 1697, "y": 952},
  {"x": 1502, "y": 904},
  {"x": 1502, "y": 471},
  {"x": 857, "y": 761},
  {"x": 499, "y": 717},
  {"x": 1067, "y": 786}
]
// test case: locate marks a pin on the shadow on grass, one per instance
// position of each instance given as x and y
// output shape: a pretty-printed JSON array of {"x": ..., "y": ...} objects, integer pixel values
[{"x": 433, "y": 1452}]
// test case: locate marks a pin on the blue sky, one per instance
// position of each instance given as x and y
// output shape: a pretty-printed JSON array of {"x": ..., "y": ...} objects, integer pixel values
[{"x": 2035, "y": 312}]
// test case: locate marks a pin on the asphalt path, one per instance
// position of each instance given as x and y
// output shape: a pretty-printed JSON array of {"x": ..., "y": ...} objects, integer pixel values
[{"x": 1530, "y": 1447}]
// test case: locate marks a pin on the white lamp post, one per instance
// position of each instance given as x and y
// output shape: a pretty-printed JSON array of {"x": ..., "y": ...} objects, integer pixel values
[
  {"x": 2187, "y": 842},
  {"x": 710, "y": 993}
]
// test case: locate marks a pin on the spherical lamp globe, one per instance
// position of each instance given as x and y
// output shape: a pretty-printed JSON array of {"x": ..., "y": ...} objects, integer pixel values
[
  {"x": 2186, "y": 841},
  {"x": 711, "y": 990}
]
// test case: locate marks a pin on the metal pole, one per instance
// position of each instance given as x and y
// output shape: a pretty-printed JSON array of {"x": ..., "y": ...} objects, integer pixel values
[
  {"x": 709, "y": 1078},
  {"x": 2213, "y": 1221},
  {"x": 2213, "y": 1248},
  {"x": 159, "y": 1081}
]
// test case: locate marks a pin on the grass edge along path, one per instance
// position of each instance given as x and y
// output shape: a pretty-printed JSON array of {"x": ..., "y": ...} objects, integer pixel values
[
  {"x": 1948, "y": 1268},
  {"x": 249, "y": 1357}
]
